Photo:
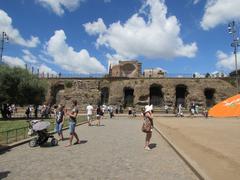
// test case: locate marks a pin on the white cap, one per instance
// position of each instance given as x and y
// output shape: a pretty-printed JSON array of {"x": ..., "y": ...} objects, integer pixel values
[{"x": 148, "y": 108}]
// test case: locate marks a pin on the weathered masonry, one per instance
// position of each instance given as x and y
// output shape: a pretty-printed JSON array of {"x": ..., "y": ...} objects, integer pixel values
[{"x": 140, "y": 91}]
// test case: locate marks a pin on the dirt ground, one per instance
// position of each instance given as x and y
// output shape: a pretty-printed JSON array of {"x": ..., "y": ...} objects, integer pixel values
[{"x": 213, "y": 143}]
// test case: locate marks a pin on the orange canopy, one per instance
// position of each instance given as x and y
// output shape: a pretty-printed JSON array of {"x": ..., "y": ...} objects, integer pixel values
[{"x": 227, "y": 108}]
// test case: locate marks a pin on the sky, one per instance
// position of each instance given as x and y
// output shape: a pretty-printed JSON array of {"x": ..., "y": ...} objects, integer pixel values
[{"x": 85, "y": 36}]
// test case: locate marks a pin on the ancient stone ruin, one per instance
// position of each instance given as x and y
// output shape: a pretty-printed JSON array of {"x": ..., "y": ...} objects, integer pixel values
[
  {"x": 139, "y": 92},
  {"x": 125, "y": 86}
]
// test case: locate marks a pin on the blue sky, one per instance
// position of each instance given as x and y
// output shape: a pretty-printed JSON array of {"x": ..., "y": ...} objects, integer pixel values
[{"x": 84, "y": 36}]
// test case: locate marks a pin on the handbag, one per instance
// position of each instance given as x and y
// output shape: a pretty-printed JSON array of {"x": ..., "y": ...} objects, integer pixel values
[{"x": 146, "y": 127}]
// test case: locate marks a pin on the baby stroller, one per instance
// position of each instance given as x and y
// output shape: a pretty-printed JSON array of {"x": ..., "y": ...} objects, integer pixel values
[{"x": 38, "y": 128}]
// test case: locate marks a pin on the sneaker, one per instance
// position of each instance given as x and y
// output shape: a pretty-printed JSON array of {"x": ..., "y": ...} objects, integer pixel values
[{"x": 147, "y": 148}]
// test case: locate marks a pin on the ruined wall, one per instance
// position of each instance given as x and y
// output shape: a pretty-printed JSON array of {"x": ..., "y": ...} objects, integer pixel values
[
  {"x": 90, "y": 90},
  {"x": 131, "y": 69}
]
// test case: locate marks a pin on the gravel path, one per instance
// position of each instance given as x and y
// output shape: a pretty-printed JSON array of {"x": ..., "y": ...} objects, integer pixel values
[{"x": 112, "y": 151}]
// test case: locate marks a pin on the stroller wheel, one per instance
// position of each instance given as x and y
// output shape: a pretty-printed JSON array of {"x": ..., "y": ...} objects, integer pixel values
[
  {"x": 54, "y": 142},
  {"x": 33, "y": 142}
]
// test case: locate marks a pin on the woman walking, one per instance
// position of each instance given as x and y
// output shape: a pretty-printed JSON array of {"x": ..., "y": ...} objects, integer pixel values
[
  {"x": 72, "y": 123},
  {"x": 147, "y": 125},
  {"x": 60, "y": 121}
]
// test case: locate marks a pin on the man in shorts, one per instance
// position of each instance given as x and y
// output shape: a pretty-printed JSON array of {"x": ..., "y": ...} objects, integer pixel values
[
  {"x": 89, "y": 110},
  {"x": 72, "y": 123}
]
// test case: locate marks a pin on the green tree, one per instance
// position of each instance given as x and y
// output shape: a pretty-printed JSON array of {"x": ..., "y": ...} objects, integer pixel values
[{"x": 18, "y": 86}]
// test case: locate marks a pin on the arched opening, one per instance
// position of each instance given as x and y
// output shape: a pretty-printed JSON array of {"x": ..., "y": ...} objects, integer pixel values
[
  {"x": 209, "y": 94},
  {"x": 156, "y": 95},
  {"x": 104, "y": 95},
  {"x": 128, "y": 96},
  {"x": 55, "y": 89},
  {"x": 181, "y": 94}
]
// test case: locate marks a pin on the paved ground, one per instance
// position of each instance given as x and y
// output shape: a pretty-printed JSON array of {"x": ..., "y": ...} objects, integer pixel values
[
  {"x": 112, "y": 151},
  {"x": 208, "y": 142}
]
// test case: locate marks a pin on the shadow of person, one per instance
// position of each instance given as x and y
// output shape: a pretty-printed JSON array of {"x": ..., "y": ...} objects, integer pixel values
[
  {"x": 152, "y": 145},
  {"x": 83, "y": 141},
  {"x": 4, "y": 174},
  {"x": 47, "y": 145},
  {"x": 4, "y": 149}
]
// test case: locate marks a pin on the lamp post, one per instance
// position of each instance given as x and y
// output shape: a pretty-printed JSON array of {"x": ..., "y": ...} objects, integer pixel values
[
  {"x": 233, "y": 29},
  {"x": 3, "y": 39}
]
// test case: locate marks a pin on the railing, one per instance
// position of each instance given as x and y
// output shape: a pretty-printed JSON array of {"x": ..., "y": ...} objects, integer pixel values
[
  {"x": 23, "y": 116},
  {"x": 13, "y": 135}
]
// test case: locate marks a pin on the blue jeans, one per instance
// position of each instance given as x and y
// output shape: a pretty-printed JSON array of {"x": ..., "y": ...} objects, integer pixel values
[
  {"x": 58, "y": 128},
  {"x": 72, "y": 126}
]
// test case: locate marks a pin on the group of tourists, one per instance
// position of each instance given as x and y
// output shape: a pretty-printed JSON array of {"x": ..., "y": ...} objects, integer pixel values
[
  {"x": 7, "y": 110},
  {"x": 61, "y": 113},
  {"x": 45, "y": 111}
]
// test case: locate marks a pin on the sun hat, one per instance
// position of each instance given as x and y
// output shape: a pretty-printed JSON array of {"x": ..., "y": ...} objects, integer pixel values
[{"x": 148, "y": 108}]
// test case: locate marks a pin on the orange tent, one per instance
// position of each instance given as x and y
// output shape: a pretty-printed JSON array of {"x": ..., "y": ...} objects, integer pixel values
[{"x": 227, "y": 108}]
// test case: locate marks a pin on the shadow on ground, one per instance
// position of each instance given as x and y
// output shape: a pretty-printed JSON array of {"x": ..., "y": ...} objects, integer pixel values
[
  {"x": 152, "y": 145},
  {"x": 4, "y": 149},
  {"x": 83, "y": 141},
  {"x": 4, "y": 174}
]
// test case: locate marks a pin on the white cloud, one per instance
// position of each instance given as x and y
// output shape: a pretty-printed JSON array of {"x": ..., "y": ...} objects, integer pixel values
[
  {"x": 95, "y": 28},
  {"x": 13, "y": 61},
  {"x": 58, "y": 6},
  {"x": 115, "y": 58},
  {"x": 13, "y": 34},
  {"x": 220, "y": 12},
  {"x": 226, "y": 61},
  {"x": 18, "y": 62},
  {"x": 46, "y": 70},
  {"x": 66, "y": 57},
  {"x": 156, "y": 37},
  {"x": 29, "y": 57}
]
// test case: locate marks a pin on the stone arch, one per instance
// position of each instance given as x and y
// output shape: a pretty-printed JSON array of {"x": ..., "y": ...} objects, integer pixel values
[
  {"x": 55, "y": 88},
  {"x": 209, "y": 95},
  {"x": 156, "y": 95},
  {"x": 104, "y": 95},
  {"x": 128, "y": 96},
  {"x": 181, "y": 94}
]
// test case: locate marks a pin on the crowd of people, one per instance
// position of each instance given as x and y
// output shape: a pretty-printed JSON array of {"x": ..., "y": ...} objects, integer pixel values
[
  {"x": 8, "y": 110},
  {"x": 61, "y": 113},
  {"x": 92, "y": 114}
]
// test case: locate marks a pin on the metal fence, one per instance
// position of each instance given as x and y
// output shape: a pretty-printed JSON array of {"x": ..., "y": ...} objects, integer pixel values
[{"x": 13, "y": 135}]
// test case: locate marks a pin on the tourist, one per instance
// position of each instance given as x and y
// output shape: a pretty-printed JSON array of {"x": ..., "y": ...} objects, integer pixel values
[
  {"x": 134, "y": 113},
  {"x": 166, "y": 108},
  {"x": 148, "y": 125},
  {"x": 89, "y": 114},
  {"x": 72, "y": 123},
  {"x": 180, "y": 112},
  {"x": 99, "y": 115},
  {"x": 192, "y": 109},
  {"x": 110, "y": 110},
  {"x": 36, "y": 111},
  {"x": 60, "y": 121},
  {"x": 196, "y": 109},
  {"x": 129, "y": 111},
  {"x": 27, "y": 112},
  {"x": 205, "y": 112}
]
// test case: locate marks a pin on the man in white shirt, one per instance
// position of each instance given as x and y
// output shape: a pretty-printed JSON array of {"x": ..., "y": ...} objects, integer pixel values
[{"x": 89, "y": 114}]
